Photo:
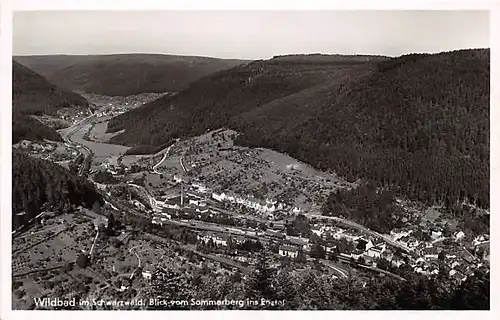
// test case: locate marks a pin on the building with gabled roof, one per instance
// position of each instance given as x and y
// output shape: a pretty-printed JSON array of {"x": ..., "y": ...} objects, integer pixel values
[
  {"x": 288, "y": 251},
  {"x": 376, "y": 251}
]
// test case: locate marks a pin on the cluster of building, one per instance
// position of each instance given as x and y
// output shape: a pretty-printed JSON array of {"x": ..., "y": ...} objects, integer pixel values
[
  {"x": 35, "y": 147},
  {"x": 267, "y": 206},
  {"x": 220, "y": 239}
]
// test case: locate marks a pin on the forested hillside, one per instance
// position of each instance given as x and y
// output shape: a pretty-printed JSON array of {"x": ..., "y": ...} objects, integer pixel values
[
  {"x": 310, "y": 290},
  {"x": 25, "y": 127},
  {"x": 33, "y": 94},
  {"x": 420, "y": 123},
  {"x": 213, "y": 100},
  {"x": 38, "y": 183},
  {"x": 124, "y": 74}
]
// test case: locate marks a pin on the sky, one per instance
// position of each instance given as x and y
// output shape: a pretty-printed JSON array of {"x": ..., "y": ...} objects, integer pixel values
[{"x": 248, "y": 34}]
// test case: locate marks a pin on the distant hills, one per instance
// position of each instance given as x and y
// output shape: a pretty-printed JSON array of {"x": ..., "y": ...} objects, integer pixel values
[
  {"x": 418, "y": 123},
  {"x": 32, "y": 94},
  {"x": 213, "y": 100},
  {"x": 124, "y": 74}
]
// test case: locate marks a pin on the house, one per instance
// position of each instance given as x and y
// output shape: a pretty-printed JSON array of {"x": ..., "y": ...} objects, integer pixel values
[
  {"x": 238, "y": 239},
  {"x": 198, "y": 186},
  {"x": 269, "y": 208},
  {"x": 100, "y": 221},
  {"x": 168, "y": 216},
  {"x": 219, "y": 197},
  {"x": 307, "y": 247},
  {"x": 397, "y": 262},
  {"x": 364, "y": 244},
  {"x": 430, "y": 250},
  {"x": 388, "y": 254},
  {"x": 147, "y": 275},
  {"x": 218, "y": 239},
  {"x": 436, "y": 234},
  {"x": 204, "y": 211},
  {"x": 459, "y": 235},
  {"x": 355, "y": 256},
  {"x": 270, "y": 201},
  {"x": 400, "y": 233},
  {"x": 413, "y": 243},
  {"x": 195, "y": 194},
  {"x": 139, "y": 205},
  {"x": 317, "y": 232},
  {"x": 178, "y": 179},
  {"x": 123, "y": 288},
  {"x": 376, "y": 251},
  {"x": 274, "y": 234},
  {"x": 296, "y": 210},
  {"x": 404, "y": 240},
  {"x": 421, "y": 270},
  {"x": 278, "y": 227},
  {"x": 170, "y": 206},
  {"x": 297, "y": 240},
  {"x": 288, "y": 251},
  {"x": 480, "y": 239}
]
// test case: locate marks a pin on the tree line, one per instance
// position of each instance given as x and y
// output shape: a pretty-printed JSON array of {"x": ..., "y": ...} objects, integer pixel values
[
  {"x": 311, "y": 290},
  {"x": 39, "y": 185}
]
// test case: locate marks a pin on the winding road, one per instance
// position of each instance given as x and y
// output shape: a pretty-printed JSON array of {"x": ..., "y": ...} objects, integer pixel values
[{"x": 163, "y": 159}]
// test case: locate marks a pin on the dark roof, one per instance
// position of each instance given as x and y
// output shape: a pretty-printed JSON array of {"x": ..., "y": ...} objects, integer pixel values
[
  {"x": 297, "y": 241},
  {"x": 288, "y": 248}
]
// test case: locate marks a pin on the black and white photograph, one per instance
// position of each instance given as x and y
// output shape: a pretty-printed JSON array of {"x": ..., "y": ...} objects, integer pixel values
[{"x": 249, "y": 160}]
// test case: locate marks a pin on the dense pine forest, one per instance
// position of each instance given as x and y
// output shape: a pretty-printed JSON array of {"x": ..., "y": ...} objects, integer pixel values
[
  {"x": 212, "y": 101},
  {"x": 26, "y": 128},
  {"x": 39, "y": 184},
  {"x": 418, "y": 123},
  {"x": 309, "y": 290}
]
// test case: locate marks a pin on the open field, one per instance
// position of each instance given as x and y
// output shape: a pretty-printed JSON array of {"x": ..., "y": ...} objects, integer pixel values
[
  {"x": 98, "y": 132},
  {"x": 102, "y": 151}
]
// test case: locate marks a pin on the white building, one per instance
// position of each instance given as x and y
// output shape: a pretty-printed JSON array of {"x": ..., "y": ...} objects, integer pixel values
[
  {"x": 170, "y": 206},
  {"x": 166, "y": 215},
  {"x": 296, "y": 210},
  {"x": 459, "y": 235},
  {"x": 288, "y": 251},
  {"x": 399, "y": 234},
  {"x": 200, "y": 187},
  {"x": 376, "y": 251},
  {"x": 317, "y": 232},
  {"x": 146, "y": 275},
  {"x": 219, "y": 197},
  {"x": 217, "y": 239},
  {"x": 436, "y": 234}
]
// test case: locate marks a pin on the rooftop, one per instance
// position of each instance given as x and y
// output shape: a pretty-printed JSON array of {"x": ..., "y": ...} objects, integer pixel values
[{"x": 289, "y": 248}]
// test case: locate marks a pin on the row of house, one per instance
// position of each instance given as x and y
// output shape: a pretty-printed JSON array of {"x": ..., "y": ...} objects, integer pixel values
[
  {"x": 219, "y": 239},
  {"x": 264, "y": 206}
]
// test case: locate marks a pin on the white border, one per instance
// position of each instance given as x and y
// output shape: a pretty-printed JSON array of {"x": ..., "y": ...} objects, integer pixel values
[{"x": 5, "y": 139}]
